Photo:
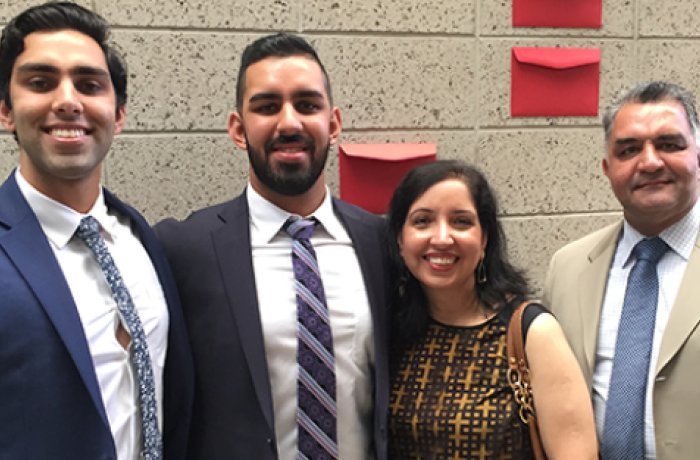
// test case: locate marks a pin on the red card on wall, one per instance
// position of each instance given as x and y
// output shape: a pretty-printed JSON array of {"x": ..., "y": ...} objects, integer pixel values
[
  {"x": 369, "y": 173},
  {"x": 549, "y": 82},
  {"x": 558, "y": 13}
]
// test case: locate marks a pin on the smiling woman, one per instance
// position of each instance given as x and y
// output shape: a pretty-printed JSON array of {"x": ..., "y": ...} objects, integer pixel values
[{"x": 453, "y": 300}]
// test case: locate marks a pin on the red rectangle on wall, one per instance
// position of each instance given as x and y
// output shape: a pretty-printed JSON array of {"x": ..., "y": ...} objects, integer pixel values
[
  {"x": 558, "y": 13},
  {"x": 369, "y": 173},
  {"x": 548, "y": 82}
]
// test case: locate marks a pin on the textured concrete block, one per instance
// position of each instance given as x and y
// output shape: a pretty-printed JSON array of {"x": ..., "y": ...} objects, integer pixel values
[
  {"x": 9, "y": 155},
  {"x": 496, "y": 18},
  {"x": 546, "y": 171},
  {"x": 393, "y": 82},
  {"x": 202, "y": 14},
  {"x": 180, "y": 80},
  {"x": 616, "y": 68},
  {"x": 533, "y": 240},
  {"x": 450, "y": 16},
  {"x": 670, "y": 18},
  {"x": 166, "y": 176},
  {"x": 676, "y": 61},
  {"x": 186, "y": 81}
]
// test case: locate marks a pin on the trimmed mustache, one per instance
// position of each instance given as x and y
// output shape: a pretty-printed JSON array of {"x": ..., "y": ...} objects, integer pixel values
[{"x": 289, "y": 139}]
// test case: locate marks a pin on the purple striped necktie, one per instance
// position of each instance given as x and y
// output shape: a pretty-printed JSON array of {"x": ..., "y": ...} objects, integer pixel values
[{"x": 316, "y": 407}]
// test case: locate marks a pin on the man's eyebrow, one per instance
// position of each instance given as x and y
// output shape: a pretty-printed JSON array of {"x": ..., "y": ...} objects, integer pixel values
[
  {"x": 308, "y": 93},
  {"x": 671, "y": 137},
  {"x": 626, "y": 141},
  {"x": 271, "y": 96},
  {"x": 662, "y": 137},
  {"x": 264, "y": 97},
  {"x": 47, "y": 68}
]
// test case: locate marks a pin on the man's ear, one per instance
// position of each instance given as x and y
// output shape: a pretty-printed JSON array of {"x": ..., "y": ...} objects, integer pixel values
[
  {"x": 6, "y": 117},
  {"x": 120, "y": 119},
  {"x": 236, "y": 130},
  {"x": 336, "y": 125}
]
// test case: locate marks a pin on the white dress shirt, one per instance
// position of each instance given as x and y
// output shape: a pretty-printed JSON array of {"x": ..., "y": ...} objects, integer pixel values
[
  {"x": 98, "y": 311},
  {"x": 680, "y": 238},
  {"x": 350, "y": 318}
]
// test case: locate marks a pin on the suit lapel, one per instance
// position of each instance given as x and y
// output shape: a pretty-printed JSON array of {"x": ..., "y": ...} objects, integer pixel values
[
  {"x": 26, "y": 245},
  {"x": 232, "y": 247},
  {"x": 685, "y": 314},
  {"x": 592, "y": 291},
  {"x": 178, "y": 361},
  {"x": 368, "y": 250},
  {"x": 370, "y": 253}
]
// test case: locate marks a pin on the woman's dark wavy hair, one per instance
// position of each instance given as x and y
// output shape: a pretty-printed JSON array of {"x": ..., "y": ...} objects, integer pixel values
[
  {"x": 504, "y": 281},
  {"x": 58, "y": 16}
]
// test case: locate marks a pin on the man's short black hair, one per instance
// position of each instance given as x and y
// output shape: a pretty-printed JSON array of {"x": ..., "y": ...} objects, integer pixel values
[
  {"x": 56, "y": 16},
  {"x": 277, "y": 45}
]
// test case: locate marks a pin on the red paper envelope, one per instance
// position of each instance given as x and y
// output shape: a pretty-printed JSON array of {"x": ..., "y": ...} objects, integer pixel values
[
  {"x": 369, "y": 173},
  {"x": 558, "y": 13},
  {"x": 554, "y": 82}
]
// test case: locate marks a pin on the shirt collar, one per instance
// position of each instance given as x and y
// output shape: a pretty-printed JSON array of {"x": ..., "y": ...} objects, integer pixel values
[
  {"x": 680, "y": 237},
  {"x": 267, "y": 219},
  {"x": 58, "y": 221}
]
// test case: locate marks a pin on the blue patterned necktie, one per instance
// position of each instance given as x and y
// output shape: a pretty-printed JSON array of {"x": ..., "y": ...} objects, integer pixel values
[
  {"x": 316, "y": 407},
  {"x": 623, "y": 434},
  {"x": 89, "y": 232}
]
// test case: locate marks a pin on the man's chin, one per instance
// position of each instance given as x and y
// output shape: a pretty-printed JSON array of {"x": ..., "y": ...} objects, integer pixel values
[{"x": 290, "y": 186}]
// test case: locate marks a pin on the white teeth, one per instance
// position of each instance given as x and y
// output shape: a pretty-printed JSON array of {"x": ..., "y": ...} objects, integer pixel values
[
  {"x": 441, "y": 260},
  {"x": 68, "y": 133}
]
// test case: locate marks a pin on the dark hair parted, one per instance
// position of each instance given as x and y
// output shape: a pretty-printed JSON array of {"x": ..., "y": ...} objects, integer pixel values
[
  {"x": 650, "y": 92},
  {"x": 277, "y": 45},
  {"x": 504, "y": 281},
  {"x": 56, "y": 16}
]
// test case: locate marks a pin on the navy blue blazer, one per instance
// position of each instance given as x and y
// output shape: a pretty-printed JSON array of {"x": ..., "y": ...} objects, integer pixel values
[
  {"x": 50, "y": 401},
  {"x": 210, "y": 255}
]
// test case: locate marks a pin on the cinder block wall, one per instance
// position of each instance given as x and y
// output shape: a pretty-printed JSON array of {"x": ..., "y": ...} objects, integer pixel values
[{"x": 402, "y": 71}]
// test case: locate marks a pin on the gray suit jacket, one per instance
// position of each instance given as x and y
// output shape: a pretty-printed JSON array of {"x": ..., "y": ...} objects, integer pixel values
[{"x": 574, "y": 289}]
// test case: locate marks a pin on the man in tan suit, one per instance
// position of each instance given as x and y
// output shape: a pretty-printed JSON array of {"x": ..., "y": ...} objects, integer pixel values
[{"x": 652, "y": 163}]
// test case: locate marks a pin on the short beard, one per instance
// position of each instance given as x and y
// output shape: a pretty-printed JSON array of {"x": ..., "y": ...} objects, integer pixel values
[{"x": 287, "y": 179}]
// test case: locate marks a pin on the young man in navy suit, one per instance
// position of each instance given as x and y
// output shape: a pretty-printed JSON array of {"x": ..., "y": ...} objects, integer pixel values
[
  {"x": 233, "y": 267},
  {"x": 69, "y": 387}
]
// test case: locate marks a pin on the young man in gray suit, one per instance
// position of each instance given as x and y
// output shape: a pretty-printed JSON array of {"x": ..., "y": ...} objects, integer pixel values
[
  {"x": 233, "y": 264},
  {"x": 627, "y": 295}
]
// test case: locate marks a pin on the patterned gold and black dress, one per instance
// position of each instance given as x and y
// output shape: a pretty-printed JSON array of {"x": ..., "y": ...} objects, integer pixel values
[{"x": 450, "y": 397}]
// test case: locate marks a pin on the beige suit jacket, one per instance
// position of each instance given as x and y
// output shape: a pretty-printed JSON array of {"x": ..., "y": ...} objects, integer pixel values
[{"x": 574, "y": 289}]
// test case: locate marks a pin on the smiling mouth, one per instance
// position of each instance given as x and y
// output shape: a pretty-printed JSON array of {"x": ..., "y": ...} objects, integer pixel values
[
  {"x": 67, "y": 133},
  {"x": 650, "y": 184},
  {"x": 443, "y": 261},
  {"x": 291, "y": 149}
]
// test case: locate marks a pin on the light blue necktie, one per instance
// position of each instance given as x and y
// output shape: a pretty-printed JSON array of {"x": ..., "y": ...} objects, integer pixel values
[
  {"x": 89, "y": 232},
  {"x": 623, "y": 435}
]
